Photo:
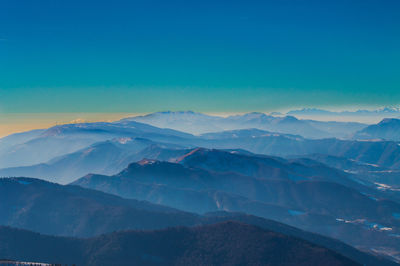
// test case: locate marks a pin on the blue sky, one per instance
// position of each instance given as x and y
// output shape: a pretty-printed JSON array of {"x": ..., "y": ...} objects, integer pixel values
[{"x": 209, "y": 56}]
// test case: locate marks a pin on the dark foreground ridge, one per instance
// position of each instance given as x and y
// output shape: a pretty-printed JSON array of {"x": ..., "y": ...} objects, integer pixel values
[
  {"x": 79, "y": 212},
  {"x": 227, "y": 243}
]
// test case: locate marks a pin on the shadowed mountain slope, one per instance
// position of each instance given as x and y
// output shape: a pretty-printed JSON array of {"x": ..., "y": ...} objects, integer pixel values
[
  {"x": 388, "y": 129},
  {"x": 264, "y": 186},
  {"x": 72, "y": 211},
  {"x": 228, "y": 243}
]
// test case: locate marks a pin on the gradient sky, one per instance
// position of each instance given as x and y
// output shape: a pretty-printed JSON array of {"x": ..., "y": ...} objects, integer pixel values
[{"x": 209, "y": 56}]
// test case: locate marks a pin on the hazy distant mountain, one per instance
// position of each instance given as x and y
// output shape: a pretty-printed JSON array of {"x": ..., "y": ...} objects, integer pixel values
[
  {"x": 19, "y": 138},
  {"x": 216, "y": 170},
  {"x": 64, "y": 139},
  {"x": 41, "y": 146},
  {"x": 197, "y": 123},
  {"x": 382, "y": 153},
  {"x": 244, "y": 133},
  {"x": 288, "y": 124},
  {"x": 387, "y": 129},
  {"x": 342, "y": 163},
  {"x": 386, "y": 111},
  {"x": 108, "y": 157},
  {"x": 354, "y": 216},
  {"x": 201, "y": 200},
  {"x": 337, "y": 129},
  {"x": 228, "y": 243},
  {"x": 352, "y": 173},
  {"x": 292, "y": 125},
  {"x": 364, "y": 171},
  {"x": 185, "y": 121},
  {"x": 262, "y": 167}
]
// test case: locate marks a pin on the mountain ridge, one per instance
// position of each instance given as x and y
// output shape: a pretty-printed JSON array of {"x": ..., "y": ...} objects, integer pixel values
[{"x": 219, "y": 244}]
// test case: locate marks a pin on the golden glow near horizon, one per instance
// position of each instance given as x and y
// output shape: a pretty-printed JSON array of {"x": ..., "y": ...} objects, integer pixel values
[{"x": 20, "y": 122}]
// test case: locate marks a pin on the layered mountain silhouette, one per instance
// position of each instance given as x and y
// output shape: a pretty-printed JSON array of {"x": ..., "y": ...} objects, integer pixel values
[
  {"x": 64, "y": 139},
  {"x": 386, "y": 111},
  {"x": 54, "y": 209},
  {"x": 228, "y": 243},
  {"x": 197, "y": 123},
  {"x": 387, "y": 129},
  {"x": 208, "y": 180},
  {"x": 364, "y": 171},
  {"x": 108, "y": 157},
  {"x": 111, "y": 156},
  {"x": 274, "y": 167},
  {"x": 381, "y": 153},
  {"x": 19, "y": 138},
  {"x": 42, "y": 147}
]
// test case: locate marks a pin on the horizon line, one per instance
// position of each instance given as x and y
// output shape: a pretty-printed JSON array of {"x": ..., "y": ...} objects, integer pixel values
[{"x": 12, "y": 123}]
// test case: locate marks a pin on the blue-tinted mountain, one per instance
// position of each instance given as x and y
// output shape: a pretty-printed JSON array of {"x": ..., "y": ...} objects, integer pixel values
[
  {"x": 61, "y": 140},
  {"x": 337, "y": 129},
  {"x": 108, "y": 157},
  {"x": 54, "y": 209},
  {"x": 386, "y": 111},
  {"x": 19, "y": 138},
  {"x": 74, "y": 211},
  {"x": 364, "y": 171},
  {"x": 244, "y": 133},
  {"x": 105, "y": 158},
  {"x": 357, "y": 175},
  {"x": 228, "y": 243},
  {"x": 261, "y": 166},
  {"x": 256, "y": 185},
  {"x": 382, "y": 153},
  {"x": 197, "y": 123},
  {"x": 387, "y": 129},
  {"x": 311, "y": 203},
  {"x": 185, "y": 121},
  {"x": 65, "y": 139}
]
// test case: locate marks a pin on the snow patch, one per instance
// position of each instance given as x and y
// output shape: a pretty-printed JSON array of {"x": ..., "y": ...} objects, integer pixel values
[
  {"x": 365, "y": 222},
  {"x": 124, "y": 140},
  {"x": 384, "y": 187}
]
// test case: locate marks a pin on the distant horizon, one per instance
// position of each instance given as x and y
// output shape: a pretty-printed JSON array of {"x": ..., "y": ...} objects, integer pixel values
[
  {"x": 11, "y": 123},
  {"x": 129, "y": 116}
]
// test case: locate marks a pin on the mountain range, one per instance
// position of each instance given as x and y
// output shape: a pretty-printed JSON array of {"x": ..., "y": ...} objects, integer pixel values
[
  {"x": 105, "y": 157},
  {"x": 205, "y": 245},
  {"x": 42, "y": 146},
  {"x": 48, "y": 208},
  {"x": 112, "y": 155},
  {"x": 209, "y": 180},
  {"x": 197, "y": 123},
  {"x": 112, "y": 176},
  {"x": 385, "y": 111},
  {"x": 387, "y": 129}
]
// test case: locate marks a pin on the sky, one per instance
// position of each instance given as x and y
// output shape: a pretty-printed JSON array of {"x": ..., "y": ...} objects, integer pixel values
[{"x": 208, "y": 56}]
